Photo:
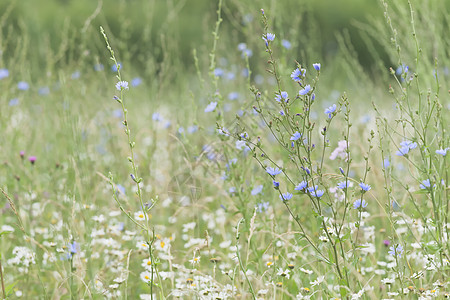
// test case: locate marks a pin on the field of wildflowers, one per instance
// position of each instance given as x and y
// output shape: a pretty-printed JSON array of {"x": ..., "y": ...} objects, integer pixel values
[{"x": 266, "y": 171}]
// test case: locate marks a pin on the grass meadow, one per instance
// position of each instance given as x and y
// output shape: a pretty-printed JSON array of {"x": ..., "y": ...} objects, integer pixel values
[{"x": 259, "y": 155}]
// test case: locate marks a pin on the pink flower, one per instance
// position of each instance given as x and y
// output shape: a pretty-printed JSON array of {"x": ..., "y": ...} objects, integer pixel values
[{"x": 32, "y": 159}]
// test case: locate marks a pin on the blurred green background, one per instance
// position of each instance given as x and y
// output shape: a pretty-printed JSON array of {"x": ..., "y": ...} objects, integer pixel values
[
  {"x": 147, "y": 29},
  {"x": 154, "y": 37}
]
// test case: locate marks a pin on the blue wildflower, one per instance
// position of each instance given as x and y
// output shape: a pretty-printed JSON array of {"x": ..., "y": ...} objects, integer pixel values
[
  {"x": 192, "y": 129},
  {"x": 305, "y": 90},
  {"x": 364, "y": 186},
  {"x": 244, "y": 135},
  {"x": 396, "y": 251},
  {"x": 402, "y": 69},
  {"x": 296, "y": 136},
  {"x": 241, "y": 145},
  {"x": 263, "y": 206},
  {"x": 386, "y": 162},
  {"x": 118, "y": 113},
  {"x": 317, "y": 67},
  {"x": 395, "y": 205},
  {"x": 211, "y": 107},
  {"x": 405, "y": 146},
  {"x": 4, "y": 73},
  {"x": 315, "y": 192},
  {"x": 270, "y": 36},
  {"x": 44, "y": 91},
  {"x": 23, "y": 86},
  {"x": 341, "y": 170},
  {"x": 121, "y": 226},
  {"x": 218, "y": 72},
  {"x": 233, "y": 95},
  {"x": 74, "y": 247},
  {"x": 342, "y": 185},
  {"x": 402, "y": 151},
  {"x": 286, "y": 44},
  {"x": 286, "y": 196},
  {"x": 223, "y": 131},
  {"x": 297, "y": 75},
  {"x": 276, "y": 184},
  {"x": 136, "y": 81},
  {"x": 114, "y": 67},
  {"x": 14, "y": 102},
  {"x": 359, "y": 204},
  {"x": 157, "y": 117},
  {"x": 121, "y": 189},
  {"x": 98, "y": 67},
  {"x": 122, "y": 85},
  {"x": 282, "y": 96},
  {"x": 282, "y": 113},
  {"x": 247, "y": 53},
  {"x": 273, "y": 171},
  {"x": 442, "y": 152},
  {"x": 301, "y": 186},
  {"x": 411, "y": 145},
  {"x": 230, "y": 76},
  {"x": 242, "y": 46},
  {"x": 330, "y": 110},
  {"x": 318, "y": 193},
  {"x": 231, "y": 162},
  {"x": 76, "y": 75},
  {"x": 257, "y": 190},
  {"x": 306, "y": 170},
  {"x": 426, "y": 184}
]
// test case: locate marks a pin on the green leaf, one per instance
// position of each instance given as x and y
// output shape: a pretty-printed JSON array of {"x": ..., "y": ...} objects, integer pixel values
[
  {"x": 5, "y": 232},
  {"x": 421, "y": 191},
  {"x": 342, "y": 289},
  {"x": 9, "y": 289},
  {"x": 432, "y": 248}
]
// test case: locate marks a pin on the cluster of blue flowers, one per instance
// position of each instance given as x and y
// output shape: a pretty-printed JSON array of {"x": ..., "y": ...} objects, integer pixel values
[
  {"x": 282, "y": 96},
  {"x": 405, "y": 147}
]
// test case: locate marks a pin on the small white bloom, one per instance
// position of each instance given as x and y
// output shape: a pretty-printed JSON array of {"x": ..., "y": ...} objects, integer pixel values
[
  {"x": 306, "y": 271},
  {"x": 146, "y": 276},
  {"x": 284, "y": 273},
  {"x": 7, "y": 228},
  {"x": 139, "y": 216},
  {"x": 142, "y": 245},
  {"x": 318, "y": 281}
]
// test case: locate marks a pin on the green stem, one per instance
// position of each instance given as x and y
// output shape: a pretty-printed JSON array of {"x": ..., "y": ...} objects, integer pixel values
[
  {"x": 1, "y": 279},
  {"x": 240, "y": 260},
  {"x": 72, "y": 296}
]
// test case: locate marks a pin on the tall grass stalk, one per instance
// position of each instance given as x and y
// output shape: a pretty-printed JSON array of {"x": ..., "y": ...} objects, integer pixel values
[{"x": 150, "y": 235}]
